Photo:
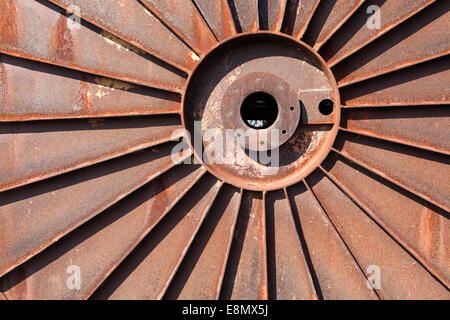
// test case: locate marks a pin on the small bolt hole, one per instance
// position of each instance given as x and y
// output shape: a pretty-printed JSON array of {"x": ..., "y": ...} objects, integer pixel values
[
  {"x": 326, "y": 107},
  {"x": 284, "y": 132},
  {"x": 292, "y": 108}
]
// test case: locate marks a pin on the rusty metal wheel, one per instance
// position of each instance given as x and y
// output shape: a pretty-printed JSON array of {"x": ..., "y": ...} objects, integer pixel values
[{"x": 93, "y": 204}]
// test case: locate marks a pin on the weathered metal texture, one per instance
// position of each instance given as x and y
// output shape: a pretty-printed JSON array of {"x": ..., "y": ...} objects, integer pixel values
[
  {"x": 401, "y": 164},
  {"x": 128, "y": 21},
  {"x": 338, "y": 276},
  {"x": 423, "y": 38},
  {"x": 310, "y": 99},
  {"x": 151, "y": 267},
  {"x": 207, "y": 259},
  {"x": 287, "y": 267},
  {"x": 355, "y": 34},
  {"x": 287, "y": 103},
  {"x": 299, "y": 16},
  {"x": 39, "y": 150},
  {"x": 98, "y": 240},
  {"x": 271, "y": 14},
  {"x": 92, "y": 93},
  {"x": 56, "y": 39},
  {"x": 35, "y": 216},
  {"x": 423, "y": 127},
  {"x": 246, "y": 15},
  {"x": 218, "y": 16},
  {"x": 37, "y": 91},
  {"x": 422, "y": 84},
  {"x": 246, "y": 276},
  {"x": 215, "y": 102},
  {"x": 421, "y": 228},
  {"x": 184, "y": 20},
  {"x": 328, "y": 18},
  {"x": 403, "y": 277}
]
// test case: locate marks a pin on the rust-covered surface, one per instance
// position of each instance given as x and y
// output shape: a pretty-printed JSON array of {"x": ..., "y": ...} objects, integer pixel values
[
  {"x": 38, "y": 91},
  {"x": 103, "y": 196}
]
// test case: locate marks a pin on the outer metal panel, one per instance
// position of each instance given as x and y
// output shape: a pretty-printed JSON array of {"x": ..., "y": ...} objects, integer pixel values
[
  {"x": 338, "y": 274},
  {"x": 153, "y": 264},
  {"x": 34, "y": 217},
  {"x": 107, "y": 239},
  {"x": 371, "y": 246},
  {"x": 36, "y": 91}
]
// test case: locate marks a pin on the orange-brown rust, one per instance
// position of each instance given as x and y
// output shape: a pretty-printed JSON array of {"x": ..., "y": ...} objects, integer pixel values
[
  {"x": 204, "y": 38},
  {"x": 429, "y": 231},
  {"x": 228, "y": 27},
  {"x": 62, "y": 43},
  {"x": 3, "y": 87},
  {"x": 84, "y": 96},
  {"x": 8, "y": 22}
]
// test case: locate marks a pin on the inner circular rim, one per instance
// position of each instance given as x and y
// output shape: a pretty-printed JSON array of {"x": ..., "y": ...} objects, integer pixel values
[{"x": 259, "y": 110}]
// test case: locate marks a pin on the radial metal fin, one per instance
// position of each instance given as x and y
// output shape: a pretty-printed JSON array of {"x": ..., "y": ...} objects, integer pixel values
[
  {"x": 32, "y": 218},
  {"x": 246, "y": 15},
  {"x": 218, "y": 16},
  {"x": 38, "y": 91},
  {"x": 423, "y": 38},
  {"x": 300, "y": 13},
  {"x": 338, "y": 274},
  {"x": 422, "y": 84},
  {"x": 129, "y": 21},
  {"x": 424, "y": 127},
  {"x": 362, "y": 28},
  {"x": 393, "y": 272},
  {"x": 271, "y": 14},
  {"x": 147, "y": 272},
  {"x": 327, "y": 19},
  {"x": 246, "y": 274},
  {"x": 57, "y": 39},
  {"x": 289, "y": 277},
  {"x": 421, "y": 227},
  {"x": 111, "y": 235},
  {"x": 402, "y": 165},
  {"x": 182, "y": 17},
  {"x": 49, "y": 148},
  {"x": 208, "y": 253}
]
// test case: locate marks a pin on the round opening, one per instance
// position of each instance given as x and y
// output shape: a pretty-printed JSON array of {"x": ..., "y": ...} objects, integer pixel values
[
  {"x": 284, "y": 132},
  {"x": 259, "y": 110},
  {"x": 326, "y": 107}
]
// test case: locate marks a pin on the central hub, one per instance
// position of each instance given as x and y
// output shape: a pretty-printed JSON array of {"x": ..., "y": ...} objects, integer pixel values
[
  {"x": 264, "y": 107},
  {"x": 259, "y": 110},
  {"x": 262, "y": 111}
]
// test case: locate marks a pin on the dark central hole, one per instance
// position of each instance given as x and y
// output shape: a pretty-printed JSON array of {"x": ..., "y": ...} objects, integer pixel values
[{"x": 259, "y": 110}]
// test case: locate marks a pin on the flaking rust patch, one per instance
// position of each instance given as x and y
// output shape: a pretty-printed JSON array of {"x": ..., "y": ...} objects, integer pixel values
[
  {"x": 101, "y": 94},
  {"x": 194, "y": 56},
  {"x": 62, "y": 44},
  {"x": 121, "y": 44},
  {"x": 113, "y": 84},
  {"x": 298, "y": 142}
]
